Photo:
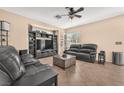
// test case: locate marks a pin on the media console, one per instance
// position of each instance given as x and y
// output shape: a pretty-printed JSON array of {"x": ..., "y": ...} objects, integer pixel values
[
  {"x": 45, "y": 53},
  {"x": 42, "y": 43}
]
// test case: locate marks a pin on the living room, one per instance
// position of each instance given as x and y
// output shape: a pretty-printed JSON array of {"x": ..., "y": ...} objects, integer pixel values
[{"x": 89, "y": 42}]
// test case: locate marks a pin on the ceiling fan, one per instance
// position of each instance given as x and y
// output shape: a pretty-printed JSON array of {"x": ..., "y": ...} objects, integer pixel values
[{"x": 71, "y": 13}]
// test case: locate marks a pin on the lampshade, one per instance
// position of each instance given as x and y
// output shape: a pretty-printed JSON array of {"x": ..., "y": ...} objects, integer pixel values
[{"x": 4, "y": 25}]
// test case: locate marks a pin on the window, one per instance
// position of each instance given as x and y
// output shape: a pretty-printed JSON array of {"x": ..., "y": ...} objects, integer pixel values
[{"x": 71, "y": 38}]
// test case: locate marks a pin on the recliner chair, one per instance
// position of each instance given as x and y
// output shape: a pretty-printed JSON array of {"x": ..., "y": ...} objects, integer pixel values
[{"x": 24, "y": 70}]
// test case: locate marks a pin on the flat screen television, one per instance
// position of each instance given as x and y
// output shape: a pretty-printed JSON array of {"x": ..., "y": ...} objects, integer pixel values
[
  {"x": 48, "y": 44},
  {"x": 40, "y": 44}
]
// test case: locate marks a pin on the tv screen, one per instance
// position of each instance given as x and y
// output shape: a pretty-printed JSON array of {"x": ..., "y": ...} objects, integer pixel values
[
  {"x": 40, "y": 44},
  {"x": 48, "y": 44}
]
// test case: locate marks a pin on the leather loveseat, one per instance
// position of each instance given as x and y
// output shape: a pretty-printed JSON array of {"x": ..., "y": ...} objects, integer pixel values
[
  {"x": 84, "y": 52},
  {"x": 23, "y": 70}
]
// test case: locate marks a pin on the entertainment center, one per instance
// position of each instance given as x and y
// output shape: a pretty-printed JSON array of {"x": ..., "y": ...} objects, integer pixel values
[{"x": 42, "y": 43}]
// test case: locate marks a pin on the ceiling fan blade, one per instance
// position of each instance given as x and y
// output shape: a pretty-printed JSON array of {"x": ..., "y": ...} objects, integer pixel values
[
  {"x": 67, "y": 7},
  {"x": 79, "y": 16},
  {"x": 79, "y": 10},
  {"x": 60, "y": 16},
  {"x": 71, "y": 9},
  {"x": 64, "y": 15}
]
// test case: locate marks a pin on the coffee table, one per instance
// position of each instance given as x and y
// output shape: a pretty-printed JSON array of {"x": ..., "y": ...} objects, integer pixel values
[{"x": 64, "y": 62}]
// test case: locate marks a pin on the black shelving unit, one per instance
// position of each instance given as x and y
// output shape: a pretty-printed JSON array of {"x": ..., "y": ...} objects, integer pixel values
[
  {"x": 3, "y": 34},
  {"x": 35, "y": 37},
  {"x": 55, "y": 47},
  {"x": 32, "y": 43}
]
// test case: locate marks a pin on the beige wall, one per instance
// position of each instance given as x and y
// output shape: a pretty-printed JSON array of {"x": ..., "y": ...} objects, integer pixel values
[
  {"x": 103, "y": 33},
  {"x": 18, "y": 35}
]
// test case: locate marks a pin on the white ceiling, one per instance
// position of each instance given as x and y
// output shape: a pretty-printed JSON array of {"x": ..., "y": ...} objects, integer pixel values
[{"x": 46, "y": 14}]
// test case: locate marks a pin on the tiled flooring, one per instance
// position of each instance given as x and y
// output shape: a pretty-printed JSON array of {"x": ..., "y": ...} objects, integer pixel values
[{"x": 89, "y": 74}]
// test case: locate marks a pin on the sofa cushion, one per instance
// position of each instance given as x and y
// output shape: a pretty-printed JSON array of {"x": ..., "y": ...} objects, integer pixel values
[
  {"x": 71, "y": 52},
  {"x": 84, "y": 56},
  {"x": 36, "y": 75},
  {"x": 10, "y": 62},
  {"x": 74, "y": 49},
  {"x": 75, "y": 46},
  {"x": 86, "y": 50},
  {"x": 89, "y": 46},
  {"x": 5, "y": 80}
]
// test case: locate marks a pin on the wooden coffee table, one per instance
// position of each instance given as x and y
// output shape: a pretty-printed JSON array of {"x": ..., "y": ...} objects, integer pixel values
[{"x": 64, "y": 62}]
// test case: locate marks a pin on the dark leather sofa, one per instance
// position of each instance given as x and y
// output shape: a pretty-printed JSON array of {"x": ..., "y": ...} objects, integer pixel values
[
  {"x": 84, "y": 52},
  {"x": 23, "y": 70}
]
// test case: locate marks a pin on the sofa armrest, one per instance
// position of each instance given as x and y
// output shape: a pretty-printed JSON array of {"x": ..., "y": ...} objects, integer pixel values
[
  {"x": 28, "y": 59},
  {"x": 65, "y": 51}
]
